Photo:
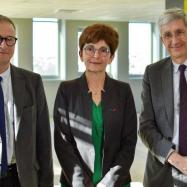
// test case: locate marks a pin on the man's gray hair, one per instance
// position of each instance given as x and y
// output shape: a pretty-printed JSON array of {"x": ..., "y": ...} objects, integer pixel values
[
  {"x": 6, "y": 19},
  {"x": 171, "y": 15}
]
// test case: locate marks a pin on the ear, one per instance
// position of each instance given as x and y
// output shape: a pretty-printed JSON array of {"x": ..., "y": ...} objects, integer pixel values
[
  {"x": 80, "y": 54},
  {"x": 111, "y": 59},
  {"x": 161, "y": 39},
  {"x": 163, "y": 42}
]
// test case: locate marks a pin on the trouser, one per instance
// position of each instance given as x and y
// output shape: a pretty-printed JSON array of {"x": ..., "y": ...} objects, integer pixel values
[{"x": 11, "y": 179}]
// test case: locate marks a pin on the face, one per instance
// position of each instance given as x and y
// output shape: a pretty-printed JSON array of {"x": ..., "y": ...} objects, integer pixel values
[
  {"x": 6, "y": 52},
  {"x": 174, "y": 37},
  {"x": 96, "y": 56}
]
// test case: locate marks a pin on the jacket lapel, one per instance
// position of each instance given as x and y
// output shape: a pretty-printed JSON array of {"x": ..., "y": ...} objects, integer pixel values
[
  {"x": 167, "y": 89},
  {"x": 86, "y": 96},
  {"x": 18, "y": 89}
]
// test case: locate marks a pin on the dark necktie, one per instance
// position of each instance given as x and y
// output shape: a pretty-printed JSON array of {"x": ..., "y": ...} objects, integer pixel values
[
  {"x": 183, "y": 112},
  {"x": 4, "y": 163}
]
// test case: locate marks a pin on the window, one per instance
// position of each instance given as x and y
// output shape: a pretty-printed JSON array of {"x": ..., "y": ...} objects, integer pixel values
[
  {"x": 111, "y": 69},
  {"x": 46, "y": 47},
  {"x": 14, "y": 59},
  {"x": 81, "y": 67},
  {"x": 140, "y": 47}
]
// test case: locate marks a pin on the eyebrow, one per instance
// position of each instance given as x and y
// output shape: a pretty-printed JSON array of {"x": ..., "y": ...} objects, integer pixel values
[
  {"x": 94, "y": 46},
  {"x": 7, "y": 36}
]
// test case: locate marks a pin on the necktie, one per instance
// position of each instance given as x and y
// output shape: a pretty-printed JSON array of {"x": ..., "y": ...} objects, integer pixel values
[
  {"x": 4, "y": 163},
  {"x": 183, "y": 112}
]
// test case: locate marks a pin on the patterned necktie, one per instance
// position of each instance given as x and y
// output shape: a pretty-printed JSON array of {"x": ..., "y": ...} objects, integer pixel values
[
  {"x": 4, "y": 163},
  {"x": 183, "y": 112}
]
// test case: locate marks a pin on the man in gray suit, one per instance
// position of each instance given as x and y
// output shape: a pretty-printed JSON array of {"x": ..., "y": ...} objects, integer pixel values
[
  {"x": 26, "y": 119},
  {"x": 160, "y": 118}
]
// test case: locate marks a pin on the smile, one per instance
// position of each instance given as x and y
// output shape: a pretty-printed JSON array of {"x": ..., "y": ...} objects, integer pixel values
[{"x": 95, "y": 63}]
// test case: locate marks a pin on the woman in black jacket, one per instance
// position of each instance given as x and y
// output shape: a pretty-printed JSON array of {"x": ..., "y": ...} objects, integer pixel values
[{"x": 95, "y": 118}]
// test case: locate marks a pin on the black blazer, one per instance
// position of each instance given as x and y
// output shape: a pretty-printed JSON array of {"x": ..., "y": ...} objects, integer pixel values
[{"x": 74, "y": 145}]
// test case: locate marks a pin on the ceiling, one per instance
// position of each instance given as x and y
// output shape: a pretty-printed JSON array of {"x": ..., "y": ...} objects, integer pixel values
[{"x": 110, "y": 10}]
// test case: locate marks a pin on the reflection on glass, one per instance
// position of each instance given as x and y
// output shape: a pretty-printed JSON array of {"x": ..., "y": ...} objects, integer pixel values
[
  {"x": 139, "y": 47},
  {"x": 45, "y": 46}
]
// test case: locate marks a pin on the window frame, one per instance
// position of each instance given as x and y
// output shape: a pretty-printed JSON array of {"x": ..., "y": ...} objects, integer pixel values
[
  {"x": 51, "y": 77},
  {"x": 140, "y": 76}
]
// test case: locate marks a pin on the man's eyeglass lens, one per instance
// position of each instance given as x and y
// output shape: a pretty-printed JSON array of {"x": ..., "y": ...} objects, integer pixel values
[{"x": 10, "y": 41}]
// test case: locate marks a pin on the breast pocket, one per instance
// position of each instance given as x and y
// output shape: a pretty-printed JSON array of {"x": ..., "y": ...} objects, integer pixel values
[
  {"x": 28, "y": 115},
  {"x": 26, "y": 127},
  {"x": 27, "y": 131}
]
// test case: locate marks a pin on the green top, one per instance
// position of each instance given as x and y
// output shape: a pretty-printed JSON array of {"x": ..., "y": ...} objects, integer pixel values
[{"x": 97, "y": 138}]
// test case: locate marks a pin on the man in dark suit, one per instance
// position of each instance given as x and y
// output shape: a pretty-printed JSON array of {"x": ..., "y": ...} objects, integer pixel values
[
  {"x": 28, "y": 160},
  {"x": 162, "y": 109}
]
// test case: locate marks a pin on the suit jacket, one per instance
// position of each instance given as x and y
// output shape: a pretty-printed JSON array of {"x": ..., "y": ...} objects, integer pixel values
[
  {"x": 32, "y": 131},
  {"x": 72, "y": 118},
  {"x": 157, "y": 123}
]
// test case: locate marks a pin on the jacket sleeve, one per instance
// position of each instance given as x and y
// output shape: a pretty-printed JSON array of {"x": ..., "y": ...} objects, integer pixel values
[
  {"x": 65, "y": 148},
  {"x": 149, "y": 131},
  {"x": 119, "y": 171},
  {"x": 43, "y": 138}
]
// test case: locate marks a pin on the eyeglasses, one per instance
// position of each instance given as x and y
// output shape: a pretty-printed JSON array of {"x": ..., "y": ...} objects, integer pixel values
[
  {"x": 10, "y": 40},
  {"x": 102, "y": 51},
  {"x": 168, "y": 36}
]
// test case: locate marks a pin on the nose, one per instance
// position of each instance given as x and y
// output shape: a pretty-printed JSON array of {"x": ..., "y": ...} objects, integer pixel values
[
  {"x": 175, "y": 38},
  {"x": 174, "y": 41},
  {"x": 3, "y": 43},
  {"x": 96, "y": 53}
]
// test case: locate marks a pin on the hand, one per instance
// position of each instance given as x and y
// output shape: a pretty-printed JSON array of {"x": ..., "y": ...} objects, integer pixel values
[
  {"x": 179, "y": 161},
  {"x": 100, "y": 185}
]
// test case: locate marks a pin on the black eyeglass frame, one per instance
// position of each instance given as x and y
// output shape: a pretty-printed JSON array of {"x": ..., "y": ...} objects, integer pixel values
[{"x": 8, "y": 39}]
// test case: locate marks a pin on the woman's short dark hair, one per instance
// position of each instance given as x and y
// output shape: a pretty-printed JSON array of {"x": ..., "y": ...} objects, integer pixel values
[{"x": 95, "y": 33}]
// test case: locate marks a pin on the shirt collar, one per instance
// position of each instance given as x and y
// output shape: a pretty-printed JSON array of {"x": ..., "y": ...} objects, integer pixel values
[
  {"x": 6, "y": 74},
  {"x": 176, "y": 66}
]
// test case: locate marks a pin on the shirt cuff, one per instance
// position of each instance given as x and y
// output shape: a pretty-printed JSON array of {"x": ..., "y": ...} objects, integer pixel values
[{"x": 170, "y": 152}]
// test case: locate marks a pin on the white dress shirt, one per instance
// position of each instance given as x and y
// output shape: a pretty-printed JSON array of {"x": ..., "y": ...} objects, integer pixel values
[
  {"x": 9, "y": 113},
  {"x": 176, "y": 80}
]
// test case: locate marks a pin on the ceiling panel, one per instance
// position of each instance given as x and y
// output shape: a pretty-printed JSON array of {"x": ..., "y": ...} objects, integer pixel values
[{"x": 110, "y": 10}]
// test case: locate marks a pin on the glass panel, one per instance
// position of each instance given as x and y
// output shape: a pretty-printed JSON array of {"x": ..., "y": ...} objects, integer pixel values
[
  {"x": 14, "y": 59},
  {"x": 45, "y": 47},
  {"x": 139, "y": 47}
]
